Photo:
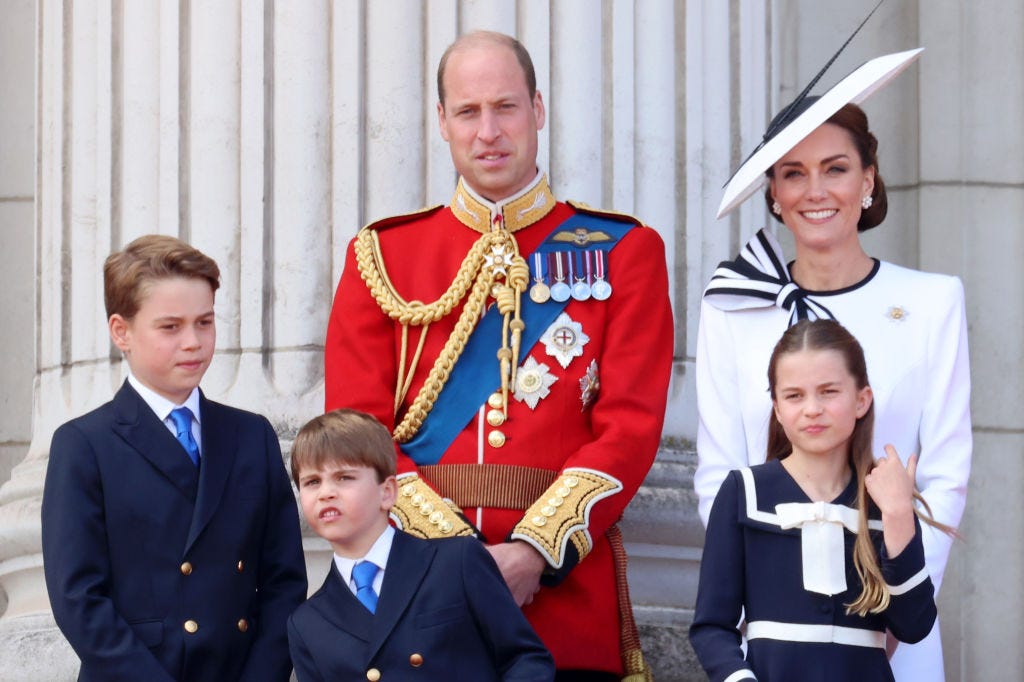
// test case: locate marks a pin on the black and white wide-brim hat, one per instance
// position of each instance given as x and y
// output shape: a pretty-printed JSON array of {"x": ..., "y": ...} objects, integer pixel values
[{"x": 785, "y": 134}]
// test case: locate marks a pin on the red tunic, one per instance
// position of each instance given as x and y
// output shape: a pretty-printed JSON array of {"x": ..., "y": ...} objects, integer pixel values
[{"x": 616, "y": 437}]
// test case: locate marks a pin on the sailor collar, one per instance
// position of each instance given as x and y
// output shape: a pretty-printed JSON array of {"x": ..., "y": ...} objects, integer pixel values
[{"x": 514, "y": 213}]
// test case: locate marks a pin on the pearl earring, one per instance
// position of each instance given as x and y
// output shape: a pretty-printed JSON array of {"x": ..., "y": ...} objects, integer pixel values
[
  {"x": 777, "y": 208},
  {"x": 866, "y": 202}
]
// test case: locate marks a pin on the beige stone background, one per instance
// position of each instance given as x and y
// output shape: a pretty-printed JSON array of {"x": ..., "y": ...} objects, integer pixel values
[{"x": 267, "y": 131}]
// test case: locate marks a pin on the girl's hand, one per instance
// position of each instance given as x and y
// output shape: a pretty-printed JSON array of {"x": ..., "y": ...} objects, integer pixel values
[{"x": 891, "y": 486}]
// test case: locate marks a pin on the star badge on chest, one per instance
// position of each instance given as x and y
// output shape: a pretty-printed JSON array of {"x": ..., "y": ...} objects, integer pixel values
[
  {"x": 590, "y": 386},
  {"x": 533, "y": 382},
  {"x": 564, "y": 340},
  {"x": 498, "y": 260}
]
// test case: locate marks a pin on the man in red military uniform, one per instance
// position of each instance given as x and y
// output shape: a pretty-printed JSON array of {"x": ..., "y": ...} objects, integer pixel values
[{"x": 520, "y": 349}]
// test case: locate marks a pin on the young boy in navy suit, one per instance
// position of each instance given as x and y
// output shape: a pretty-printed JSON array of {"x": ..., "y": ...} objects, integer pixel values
[
  {"x": 171, "y": 542},
  {"x": 395, "y": 606}
]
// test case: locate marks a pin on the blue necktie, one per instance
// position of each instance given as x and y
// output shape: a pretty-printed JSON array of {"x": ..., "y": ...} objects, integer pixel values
[
  {"x": 182, "y": 418},
  {"x": 363, "y": 573}
]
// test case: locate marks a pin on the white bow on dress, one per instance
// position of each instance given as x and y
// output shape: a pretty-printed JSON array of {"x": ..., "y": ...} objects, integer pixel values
[{"x": 821, "y": 541}]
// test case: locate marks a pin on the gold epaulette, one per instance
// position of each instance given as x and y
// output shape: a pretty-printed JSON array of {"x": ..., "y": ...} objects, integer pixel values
[
  {"x": 422, "y": 512},
  {"x": 603, "y": 213},
  {"x": 401, "y": 219},
  {"x": 562, "y": 514}
]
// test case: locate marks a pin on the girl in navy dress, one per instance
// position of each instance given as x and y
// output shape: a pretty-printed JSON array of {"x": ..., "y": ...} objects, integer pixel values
[{"x": 819, "y": 548}]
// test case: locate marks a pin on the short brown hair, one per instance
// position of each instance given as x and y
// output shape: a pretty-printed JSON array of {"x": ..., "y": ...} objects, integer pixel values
[
  {"x": 346, "y": 436},
  {"x": 128, "y": 273},
  {"x": 494, "y": 38}
]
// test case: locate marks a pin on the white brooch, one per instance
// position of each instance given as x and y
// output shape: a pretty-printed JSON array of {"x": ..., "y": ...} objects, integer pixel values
[
  {"x": 533, "y": 382},
  {"x": 897, "y": 313},
  {"x": 564, "y": 340}
]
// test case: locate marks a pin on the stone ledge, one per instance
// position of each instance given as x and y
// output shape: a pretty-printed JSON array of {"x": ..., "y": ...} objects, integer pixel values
[
  {"x": 666, "y": 647},
  {"x": 33, "y": 649}
]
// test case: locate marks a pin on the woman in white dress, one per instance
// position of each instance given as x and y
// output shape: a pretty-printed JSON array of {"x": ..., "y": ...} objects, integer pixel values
[{"x": 824, "y": 185}]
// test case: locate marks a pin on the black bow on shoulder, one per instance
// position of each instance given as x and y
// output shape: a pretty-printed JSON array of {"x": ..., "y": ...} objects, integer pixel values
[{"x": 759, "y": 278}]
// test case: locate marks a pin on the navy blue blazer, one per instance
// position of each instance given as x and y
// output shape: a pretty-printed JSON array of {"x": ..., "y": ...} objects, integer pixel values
[
  {"x": 444, "y": 613},
  {"x": 159, "y": 571}
]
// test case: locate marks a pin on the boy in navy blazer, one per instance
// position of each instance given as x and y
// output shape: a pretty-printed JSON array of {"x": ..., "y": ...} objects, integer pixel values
[
  {"x": 395, "y": 607},
  {"x": 171, "y": 543}
]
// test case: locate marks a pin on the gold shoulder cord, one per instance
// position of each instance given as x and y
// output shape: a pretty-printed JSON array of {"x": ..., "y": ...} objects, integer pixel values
[{"x": 494, "y": 257}]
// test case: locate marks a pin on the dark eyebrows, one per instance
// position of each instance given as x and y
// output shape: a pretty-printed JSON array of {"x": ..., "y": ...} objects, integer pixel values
[
  {"x": 824, "y": 162},
  {"x": 825, "y": 384}
]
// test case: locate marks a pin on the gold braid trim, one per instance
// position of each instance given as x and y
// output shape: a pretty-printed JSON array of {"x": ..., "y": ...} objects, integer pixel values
[
  {"x": 562, "y": 514},
  {"x": 371, "y": 268},
  {"x": 633, "y": 663},
  {"x": 422, "y": 512},
  {"x": 494, "y": 255}
]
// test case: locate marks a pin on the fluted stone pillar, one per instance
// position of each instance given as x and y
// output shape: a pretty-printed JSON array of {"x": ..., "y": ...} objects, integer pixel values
[
  {"x": 17, "y": 273},
  {"x": 151, "y": 119}
]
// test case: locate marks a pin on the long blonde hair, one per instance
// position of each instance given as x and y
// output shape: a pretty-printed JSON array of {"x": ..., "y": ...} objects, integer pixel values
[{"x": 817, "y": 335}]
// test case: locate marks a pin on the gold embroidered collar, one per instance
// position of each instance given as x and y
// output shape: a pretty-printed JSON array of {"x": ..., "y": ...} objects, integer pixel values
[{"x": 518, "y": 211}]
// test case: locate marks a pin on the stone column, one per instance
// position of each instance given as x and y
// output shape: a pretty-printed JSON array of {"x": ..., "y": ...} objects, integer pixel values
[
  {"x": 65, "y": 219},
  {"x": 151, "y": 119},
  {"x": 17, "y": 272},
  {"x": 722, "y": 80}
]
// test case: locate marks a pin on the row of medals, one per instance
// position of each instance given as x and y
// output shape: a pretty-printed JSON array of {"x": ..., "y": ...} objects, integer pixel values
[{"x": 584, "y": 269}]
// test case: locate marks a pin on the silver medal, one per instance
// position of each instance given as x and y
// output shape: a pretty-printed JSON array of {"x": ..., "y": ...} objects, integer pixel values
[
  {"x": 580, "y": 290},
  {"x": 600, "y": 289}
]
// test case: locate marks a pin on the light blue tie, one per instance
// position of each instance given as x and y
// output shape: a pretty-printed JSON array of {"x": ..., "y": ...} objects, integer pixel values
[
  {"x": 363, "y": 573},
  {"x": 182, "y": 418}
]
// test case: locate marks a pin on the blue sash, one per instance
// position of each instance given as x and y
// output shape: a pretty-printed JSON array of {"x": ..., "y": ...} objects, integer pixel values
[{"x": 476, "y": 374}]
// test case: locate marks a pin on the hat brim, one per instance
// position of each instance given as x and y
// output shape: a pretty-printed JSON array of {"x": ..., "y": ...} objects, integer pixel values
[{"x": 853, "y": 89}]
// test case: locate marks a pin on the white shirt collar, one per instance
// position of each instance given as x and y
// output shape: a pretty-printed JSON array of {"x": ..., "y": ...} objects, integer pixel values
[
  {"x": 160, "y": 405},
  {"x": 378, "y": 554}
]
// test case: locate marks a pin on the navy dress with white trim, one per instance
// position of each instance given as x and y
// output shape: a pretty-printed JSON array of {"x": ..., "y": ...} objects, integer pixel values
[{"x": 758, "y": 561}]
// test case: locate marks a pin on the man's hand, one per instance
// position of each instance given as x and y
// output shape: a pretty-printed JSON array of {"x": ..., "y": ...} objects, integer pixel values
[{"x": 521, "y": 567}]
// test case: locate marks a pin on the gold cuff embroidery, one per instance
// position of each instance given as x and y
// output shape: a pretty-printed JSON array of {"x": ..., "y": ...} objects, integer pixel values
[
  {"x": 422, "y": 512},
  {"x": 562, "y": 514}
]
